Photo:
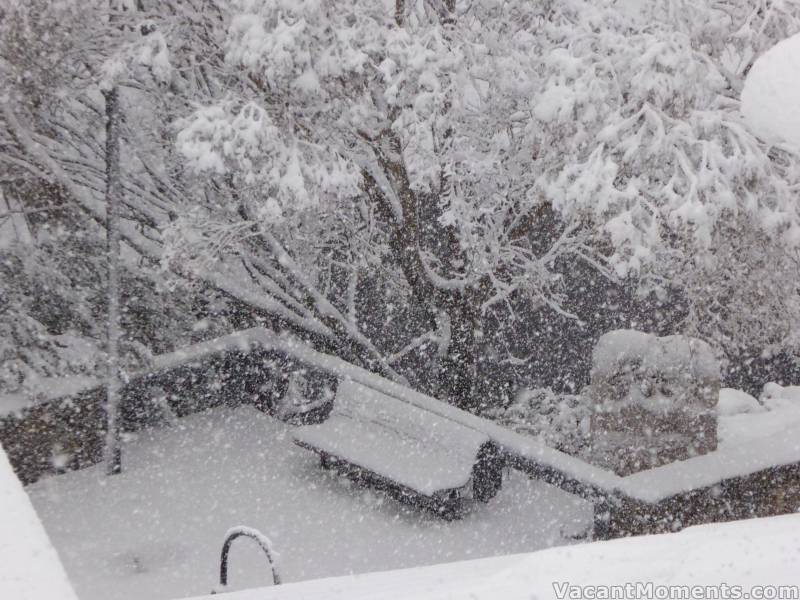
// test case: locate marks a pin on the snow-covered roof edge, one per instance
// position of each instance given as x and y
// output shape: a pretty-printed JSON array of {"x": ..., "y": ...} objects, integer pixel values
[{"x": 29, "y": 565}]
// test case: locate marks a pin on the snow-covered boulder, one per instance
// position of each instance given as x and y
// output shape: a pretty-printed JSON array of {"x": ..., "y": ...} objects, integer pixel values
[
  {"x": 775, "y": 396},
  {"x": 736, "y": 402},
  {"x": 654, "y": 400}
]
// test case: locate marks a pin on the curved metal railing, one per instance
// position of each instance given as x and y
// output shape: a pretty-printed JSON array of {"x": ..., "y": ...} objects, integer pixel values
[{"x": 263, "y": 542}]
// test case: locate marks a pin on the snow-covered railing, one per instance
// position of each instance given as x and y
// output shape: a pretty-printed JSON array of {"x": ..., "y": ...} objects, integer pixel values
[{"x": 264, "y": 543}]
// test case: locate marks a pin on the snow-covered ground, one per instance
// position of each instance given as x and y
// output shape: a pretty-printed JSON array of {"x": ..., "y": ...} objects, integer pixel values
[
  {"x": 156, "y": 530},
  {"x": 758, "y": 557}
]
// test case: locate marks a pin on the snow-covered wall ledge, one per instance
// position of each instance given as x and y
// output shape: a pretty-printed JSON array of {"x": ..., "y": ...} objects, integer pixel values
[{"x": 29, "y": 565}]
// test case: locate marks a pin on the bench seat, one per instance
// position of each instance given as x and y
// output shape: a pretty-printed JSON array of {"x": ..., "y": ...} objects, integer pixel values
[{"x": 398, "y": 442}]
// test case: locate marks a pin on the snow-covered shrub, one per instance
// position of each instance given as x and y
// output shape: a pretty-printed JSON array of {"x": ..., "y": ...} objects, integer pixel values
[
  {"x": 48, "y": 327},
  {"x": 28, "y": 353},
  {"x": 562, "y": 420},
  {"x": 53, "y": 306}
]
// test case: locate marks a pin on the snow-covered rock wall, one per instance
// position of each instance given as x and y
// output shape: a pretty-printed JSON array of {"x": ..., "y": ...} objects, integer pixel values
[{"x": 654, "y": 400}]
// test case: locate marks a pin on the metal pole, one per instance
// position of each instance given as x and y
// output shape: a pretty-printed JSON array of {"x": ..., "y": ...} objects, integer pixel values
[{"x": 113, "y": 450}]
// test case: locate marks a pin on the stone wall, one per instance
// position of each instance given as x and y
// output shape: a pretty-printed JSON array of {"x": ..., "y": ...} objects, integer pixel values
[
  {"x": 765, "y": 493},
  {"x": 69, "y": 433}
]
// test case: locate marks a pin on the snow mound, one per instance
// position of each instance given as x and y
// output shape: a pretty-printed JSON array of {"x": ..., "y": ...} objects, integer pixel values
[
  {"x": 736, "y": 402},
  {"x": 771, "y": 93},
  {"x": 775, "y": 396}
]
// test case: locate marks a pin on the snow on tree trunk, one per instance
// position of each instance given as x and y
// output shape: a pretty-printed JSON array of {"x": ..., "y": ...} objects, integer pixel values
[
  {"x": 113, "y": 450},
  {"x": 654, "y": 400},
  {"x": 459, "y": 366}
]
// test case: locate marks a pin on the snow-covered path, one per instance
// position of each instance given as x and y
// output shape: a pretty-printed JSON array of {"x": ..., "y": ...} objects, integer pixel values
[{"x": 156, "y": 531}]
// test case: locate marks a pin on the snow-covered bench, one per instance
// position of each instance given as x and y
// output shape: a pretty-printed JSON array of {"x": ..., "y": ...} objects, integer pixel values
[{"x": 414, "y": 454}]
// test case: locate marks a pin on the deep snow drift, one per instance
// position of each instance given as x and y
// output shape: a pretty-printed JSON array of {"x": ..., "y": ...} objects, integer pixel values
[{"x": 156, "y": 530}]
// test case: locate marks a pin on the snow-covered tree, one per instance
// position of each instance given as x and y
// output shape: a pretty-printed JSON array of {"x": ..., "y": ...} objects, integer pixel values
[
  {"x": 471, "y": 126},
  {"x": 460, "y": 157}
]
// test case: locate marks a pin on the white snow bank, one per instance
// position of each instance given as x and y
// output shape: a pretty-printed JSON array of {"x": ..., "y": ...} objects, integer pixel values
[
  {"x": 29, "y": 566},
  {"x": 756, "y": 552},
  {"x": 771, "y": 93},
  {"x": 776, "y": 397},
  {"x": 737, "y": 429},
  {"x": 743, "y": 419},
  {"x": 736, "y": 402}
]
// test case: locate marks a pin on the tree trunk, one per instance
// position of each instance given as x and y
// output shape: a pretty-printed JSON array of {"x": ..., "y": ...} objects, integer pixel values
[
  {"x": 113, "y": 450},
  {"x": 459, "y": 369}
]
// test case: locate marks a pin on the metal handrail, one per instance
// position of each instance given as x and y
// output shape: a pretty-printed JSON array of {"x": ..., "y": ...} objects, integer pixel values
[{"x": 263, "y": 542}]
